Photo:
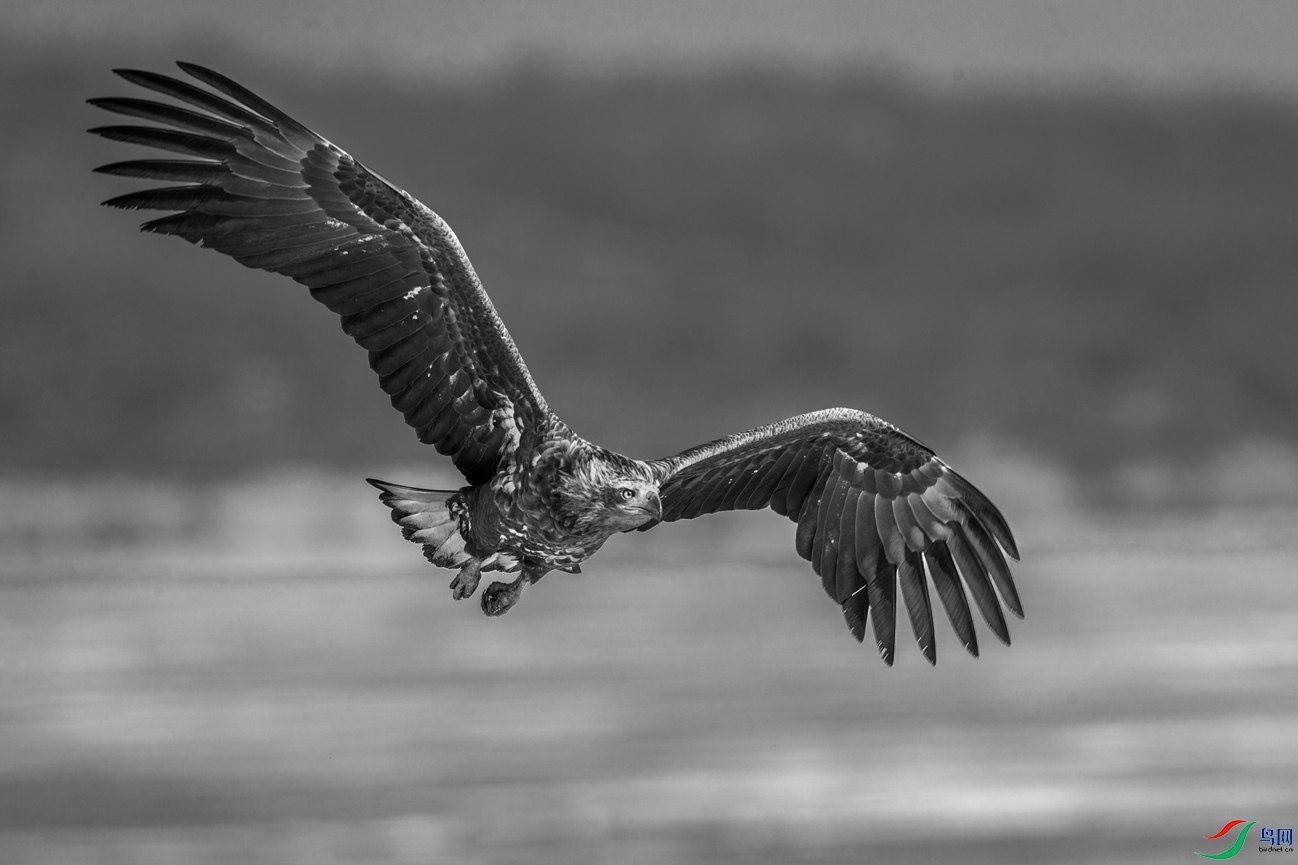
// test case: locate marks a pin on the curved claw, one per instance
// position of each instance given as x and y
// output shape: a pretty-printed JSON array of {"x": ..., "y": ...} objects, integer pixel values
[{"x": 498, "y": 598}]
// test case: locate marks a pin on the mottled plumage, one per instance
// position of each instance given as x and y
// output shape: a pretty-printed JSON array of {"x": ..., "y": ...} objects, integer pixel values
[{"x": 876, "y": 511}]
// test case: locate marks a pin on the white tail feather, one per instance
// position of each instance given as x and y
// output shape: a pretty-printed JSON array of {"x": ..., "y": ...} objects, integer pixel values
[
  {"x": 426, "y": 518},
  {"x": 433, "y": 518}
]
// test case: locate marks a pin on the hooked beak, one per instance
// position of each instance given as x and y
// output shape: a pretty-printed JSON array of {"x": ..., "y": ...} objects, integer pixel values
[{"x": 654, "y": 505}]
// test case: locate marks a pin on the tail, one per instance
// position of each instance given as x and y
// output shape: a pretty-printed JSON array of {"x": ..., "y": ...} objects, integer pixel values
[{"x": 428, "y": 517}]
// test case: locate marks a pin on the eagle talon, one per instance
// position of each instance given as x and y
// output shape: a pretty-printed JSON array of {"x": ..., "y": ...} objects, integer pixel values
[
  {"x": 499, "y": 598},
  {"x": 466, "y": 581}
]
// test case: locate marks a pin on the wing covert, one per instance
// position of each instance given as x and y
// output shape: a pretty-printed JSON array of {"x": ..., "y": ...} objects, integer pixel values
[
  {"x": 878, "y": 515},
  {"x": 262, "y": 188}
]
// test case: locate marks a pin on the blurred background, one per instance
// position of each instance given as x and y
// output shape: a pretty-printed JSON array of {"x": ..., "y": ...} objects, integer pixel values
[{"x": 1052, "y": 240}]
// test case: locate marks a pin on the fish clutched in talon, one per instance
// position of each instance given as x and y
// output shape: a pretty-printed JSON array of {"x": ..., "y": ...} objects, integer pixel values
[{"x": 878, "y": 514}]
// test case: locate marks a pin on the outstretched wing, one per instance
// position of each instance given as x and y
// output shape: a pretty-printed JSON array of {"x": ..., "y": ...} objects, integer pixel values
[
  {"x": 875, "y": 509},
  {"x": 265, "y": 190}
]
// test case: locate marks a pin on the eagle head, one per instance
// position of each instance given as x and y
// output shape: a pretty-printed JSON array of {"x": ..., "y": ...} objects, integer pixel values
[{"x": 610, "y": 492}]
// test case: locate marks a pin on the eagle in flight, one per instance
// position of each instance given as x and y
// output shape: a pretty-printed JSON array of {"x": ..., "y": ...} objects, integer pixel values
[{"x": 876, "y": 511}]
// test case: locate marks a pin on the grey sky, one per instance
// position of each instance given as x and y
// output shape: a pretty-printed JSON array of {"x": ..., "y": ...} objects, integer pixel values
[{"x": 1158, "y": 43}]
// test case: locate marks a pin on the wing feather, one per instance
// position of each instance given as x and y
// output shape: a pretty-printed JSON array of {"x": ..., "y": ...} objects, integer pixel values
[
  {"x": 975, "y": 577},
  {"x": 292, "y": 131},
  {"x": 267, "y": 191},
  {"x": 914, "y": 591},
  {"x": 761, "y": 478},
  {"x": 847, "y": 579},
  {"x": 807, "y": 521},
  {"x": 209, "y": 102},
  {"x": 885, "y": 521},
  {"x": 868, "y": 547},
  {"x": 182, "y": 170},
  {"x": 810, "y": 472},
  {"x": 882, "y": 588},
  {"x": 904, "y": 518},
  {"x": 181, "y": 118},
  {"x": 187, "y": 143},
  {"x": 876, "y": 511},
  {"x": 989, "y": 555},
  {"x": 855, "y": 611},
  {"x": 978, "y": 504},
  {"x": 829, "y": 523},
  {"x": 928, "y": 523},
  {"x": 942, "y": 570},
  {"x": 780, "y": 493}
]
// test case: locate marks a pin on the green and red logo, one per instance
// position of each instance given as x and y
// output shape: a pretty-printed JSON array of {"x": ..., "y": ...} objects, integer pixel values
[
  {"x": 1233, "y": 850},
  {"x": 1273, "y": 840}
]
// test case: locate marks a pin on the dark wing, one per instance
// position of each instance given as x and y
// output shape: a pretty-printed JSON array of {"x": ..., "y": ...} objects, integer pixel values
[
  {"x": 875, "y": 509},
  {"x": 272, "y": 194}
]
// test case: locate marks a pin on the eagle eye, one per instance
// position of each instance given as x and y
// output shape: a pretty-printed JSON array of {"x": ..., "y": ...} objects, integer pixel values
[{"x": 628, "y": 493}]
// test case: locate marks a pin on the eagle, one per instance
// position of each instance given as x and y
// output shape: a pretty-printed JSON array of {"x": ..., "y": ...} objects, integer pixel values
[{"x": 877, "y": 512}]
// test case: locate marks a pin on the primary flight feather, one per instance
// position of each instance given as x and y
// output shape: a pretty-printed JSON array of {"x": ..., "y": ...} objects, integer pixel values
[{"x": 876, "y": 511}]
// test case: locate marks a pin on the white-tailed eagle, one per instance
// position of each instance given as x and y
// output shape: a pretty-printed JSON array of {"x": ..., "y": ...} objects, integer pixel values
[{"x": 877, "y": 512}]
